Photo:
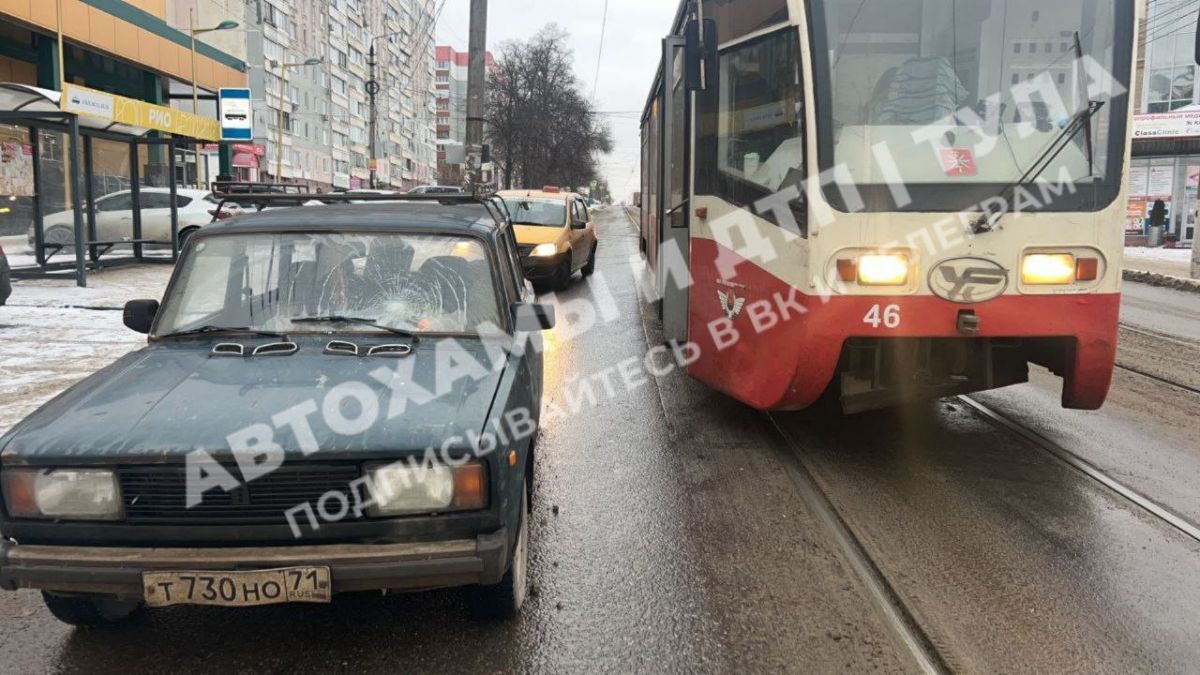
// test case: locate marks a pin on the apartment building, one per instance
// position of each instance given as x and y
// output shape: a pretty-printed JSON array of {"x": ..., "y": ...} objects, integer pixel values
[
  {"x": 320, "y": 114},
  {"x": 450, "y": 85}
]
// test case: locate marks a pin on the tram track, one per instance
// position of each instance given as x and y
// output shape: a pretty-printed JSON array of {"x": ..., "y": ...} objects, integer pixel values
[
  {"x": 1088, "y": 469},
  {"x": 1155, "y": 335},
  {"x": 897, "y": 617}
]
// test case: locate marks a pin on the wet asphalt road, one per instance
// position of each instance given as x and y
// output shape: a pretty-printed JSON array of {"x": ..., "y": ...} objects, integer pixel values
[{"x": 671, "y": 534}]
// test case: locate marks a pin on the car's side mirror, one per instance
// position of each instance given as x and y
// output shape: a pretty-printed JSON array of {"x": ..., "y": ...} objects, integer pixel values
[
  {"x": 578, "y": 224},
  {"x": 139, "y": 314},
  {"x": 532, "y": 317}
]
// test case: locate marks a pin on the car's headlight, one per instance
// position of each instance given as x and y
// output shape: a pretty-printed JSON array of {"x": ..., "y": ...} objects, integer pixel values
[
  {"x": 544, "y": 250},
  {"x": 1048, "y": 268},
  {"x": 400, "y": 488},
  {"x": 69, "y": 494}
]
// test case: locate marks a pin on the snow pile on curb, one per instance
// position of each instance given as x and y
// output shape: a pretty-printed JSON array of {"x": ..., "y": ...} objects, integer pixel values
[{"x": 1163, "y": 280}]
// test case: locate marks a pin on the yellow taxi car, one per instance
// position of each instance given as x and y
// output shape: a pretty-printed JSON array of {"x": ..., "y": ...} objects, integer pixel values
[{"x": 555, "y": 234}]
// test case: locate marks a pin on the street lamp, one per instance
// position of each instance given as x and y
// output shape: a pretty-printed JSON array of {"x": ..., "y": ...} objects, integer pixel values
[
  {"x": 192, "y": 33},
  {"x": 283, "y": 68},
  {"x": 373, "y": 89}
]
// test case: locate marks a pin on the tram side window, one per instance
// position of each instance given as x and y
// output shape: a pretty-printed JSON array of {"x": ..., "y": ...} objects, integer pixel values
[{"x": 760, "y": 121}]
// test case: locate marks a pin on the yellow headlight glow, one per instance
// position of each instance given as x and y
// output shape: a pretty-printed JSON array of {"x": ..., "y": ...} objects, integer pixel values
[
  {"x": 544, "y": 250},
  {"x": 1048, "y": 269},
  {"x": 880, "y": 269}
]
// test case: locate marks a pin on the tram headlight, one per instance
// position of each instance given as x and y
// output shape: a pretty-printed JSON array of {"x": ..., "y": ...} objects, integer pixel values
[
  {"x": 1045, "y": 269},
  {"x": 883, "y": 269}
]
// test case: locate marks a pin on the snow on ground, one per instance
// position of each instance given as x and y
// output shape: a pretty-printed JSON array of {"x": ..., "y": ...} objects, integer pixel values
[
  {"x": 1174, "y": 262},
  {"x": 49, "y": 341}
]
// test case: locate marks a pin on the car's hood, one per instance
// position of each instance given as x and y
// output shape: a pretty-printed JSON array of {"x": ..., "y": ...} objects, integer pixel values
[
  {"x": 170, "y": 398},
  {"x": 537, "y": 234}
]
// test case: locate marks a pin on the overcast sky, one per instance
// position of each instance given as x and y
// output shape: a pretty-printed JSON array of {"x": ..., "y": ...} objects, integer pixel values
[{"x": 628, "y": 61}]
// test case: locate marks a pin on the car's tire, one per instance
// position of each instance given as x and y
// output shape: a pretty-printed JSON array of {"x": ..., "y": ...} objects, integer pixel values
[
  {"x": 591, "y": 263},
  {"x": 89, "y": 611},
  {"x": 60, "y": 234},
  {"x": 503, "y": 600},
  {"x": 185, "y": 233},
  {"x": 562, "y": 274}
]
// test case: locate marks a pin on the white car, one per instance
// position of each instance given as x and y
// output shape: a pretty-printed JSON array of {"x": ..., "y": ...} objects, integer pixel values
[{"x": 114, "y": 216}]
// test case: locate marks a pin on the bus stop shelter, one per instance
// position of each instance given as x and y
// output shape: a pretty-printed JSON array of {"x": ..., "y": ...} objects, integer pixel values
[{"x": 74, "y": 139}]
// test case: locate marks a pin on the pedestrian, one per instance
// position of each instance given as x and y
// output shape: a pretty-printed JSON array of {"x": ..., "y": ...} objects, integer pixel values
[{"x": 1158, "y": 218}]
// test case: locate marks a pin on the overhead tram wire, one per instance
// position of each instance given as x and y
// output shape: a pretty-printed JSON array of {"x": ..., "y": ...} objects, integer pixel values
[
  {"x": 600, "y": 51},
  {"x": 1168, "y": 22},
  {"x": 1170, "y": 16}
]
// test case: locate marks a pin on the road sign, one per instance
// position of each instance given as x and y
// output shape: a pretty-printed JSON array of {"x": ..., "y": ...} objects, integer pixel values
[{"x": 237, "y": 118}]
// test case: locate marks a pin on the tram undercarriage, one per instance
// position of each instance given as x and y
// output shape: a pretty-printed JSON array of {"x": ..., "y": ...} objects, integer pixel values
[{"x": 884, "y": 372}]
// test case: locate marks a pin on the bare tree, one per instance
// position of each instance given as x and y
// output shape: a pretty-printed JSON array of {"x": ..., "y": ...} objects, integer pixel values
[{"x": 541, "y": 128}]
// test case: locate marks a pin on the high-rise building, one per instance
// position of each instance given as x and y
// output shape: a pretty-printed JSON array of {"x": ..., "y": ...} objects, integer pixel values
[
  {"x": 450, "y": 84},
  {"x": 325, "y": 108}
]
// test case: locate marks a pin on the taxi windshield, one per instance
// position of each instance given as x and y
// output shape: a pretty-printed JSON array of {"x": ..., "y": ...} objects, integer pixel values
[
  {"x": 282, "y": 282},
  {"x": 545, "y": 212}
]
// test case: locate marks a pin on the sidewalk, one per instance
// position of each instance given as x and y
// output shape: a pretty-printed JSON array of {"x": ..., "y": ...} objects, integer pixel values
[
  {"x": 1174, "y": 262},
  {"x": 53, "y": 333}
]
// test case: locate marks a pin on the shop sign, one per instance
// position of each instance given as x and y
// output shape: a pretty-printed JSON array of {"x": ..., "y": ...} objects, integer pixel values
[
  {"x": 135, "y": 113},
  {"x": 1166, "y": 125}
]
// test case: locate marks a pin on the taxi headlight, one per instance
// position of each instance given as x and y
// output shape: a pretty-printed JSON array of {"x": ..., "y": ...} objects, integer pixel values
[
  {"x": 400, "y": 488},
  {"x": 71, "y": 494},
  {"x": 1048, "y": 268},
  {"x": 883, "y": 269},
  {"x": 544, "y": 250}
]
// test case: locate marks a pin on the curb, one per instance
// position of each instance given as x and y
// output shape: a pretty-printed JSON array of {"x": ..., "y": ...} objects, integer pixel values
[{"x": 1162, "y": 280}]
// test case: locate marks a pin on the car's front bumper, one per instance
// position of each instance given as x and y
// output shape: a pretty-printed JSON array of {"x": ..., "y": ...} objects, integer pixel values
[
  {"x": 353, "y": 567},
  {"x": 542, "y": 268}
]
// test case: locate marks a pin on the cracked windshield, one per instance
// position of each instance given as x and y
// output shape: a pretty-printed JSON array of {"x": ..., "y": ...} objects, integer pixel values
[{"x": 286, "y": 282}]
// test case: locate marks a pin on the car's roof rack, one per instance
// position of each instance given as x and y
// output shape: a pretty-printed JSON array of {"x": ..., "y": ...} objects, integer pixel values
[{"x": 277, "y": 195}]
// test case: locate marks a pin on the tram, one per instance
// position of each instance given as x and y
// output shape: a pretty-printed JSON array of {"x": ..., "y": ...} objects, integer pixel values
[{"x": 889, "y": 200}]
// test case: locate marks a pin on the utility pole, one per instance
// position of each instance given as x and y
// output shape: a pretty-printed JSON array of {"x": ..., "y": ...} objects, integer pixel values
[
  {"x": 477, "y": 50},
  {"x": 372, "y": 90}
]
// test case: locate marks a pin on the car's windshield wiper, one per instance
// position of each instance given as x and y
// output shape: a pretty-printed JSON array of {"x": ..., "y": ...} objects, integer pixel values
[
  {"x": 1080, "y": 120},
  {"x": 223, "y": 329},
  {"x": 374, "y": 323}
]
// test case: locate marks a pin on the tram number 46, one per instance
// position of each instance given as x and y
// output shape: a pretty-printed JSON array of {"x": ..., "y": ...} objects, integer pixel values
[{"x": 888, "y": 317}]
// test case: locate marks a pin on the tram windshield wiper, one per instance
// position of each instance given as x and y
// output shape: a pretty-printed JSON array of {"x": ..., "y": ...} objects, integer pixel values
[
  {"x": 1079, "y": 121},
  {"x": 337, "y": 318}
]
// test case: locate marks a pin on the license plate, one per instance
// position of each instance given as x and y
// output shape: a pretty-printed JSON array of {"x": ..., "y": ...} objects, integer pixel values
[{"x": 237, "y": 589}]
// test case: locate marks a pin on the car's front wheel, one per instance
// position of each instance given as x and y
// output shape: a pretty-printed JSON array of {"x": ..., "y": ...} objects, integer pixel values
[
  {"x": 591, "y": 263},
  {"x": 504, "y": 600},
  {"x": 562, "y": 274},
  {"x": 78, "y": 610}
]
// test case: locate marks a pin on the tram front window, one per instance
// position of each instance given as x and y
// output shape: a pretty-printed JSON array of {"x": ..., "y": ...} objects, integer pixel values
[{"x": 957, "y": 98}]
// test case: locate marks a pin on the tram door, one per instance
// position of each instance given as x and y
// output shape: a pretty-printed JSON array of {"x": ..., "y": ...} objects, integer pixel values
[{"x": 674, "y": 250}]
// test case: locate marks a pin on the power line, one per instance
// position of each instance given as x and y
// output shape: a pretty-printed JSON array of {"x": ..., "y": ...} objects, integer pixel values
[
  {"x": 1169, "y": 16},
  {"x": 600, "y": 51}
]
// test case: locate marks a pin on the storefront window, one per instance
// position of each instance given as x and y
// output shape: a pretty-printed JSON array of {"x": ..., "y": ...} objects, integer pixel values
[{"x": 1173, "y": 180}]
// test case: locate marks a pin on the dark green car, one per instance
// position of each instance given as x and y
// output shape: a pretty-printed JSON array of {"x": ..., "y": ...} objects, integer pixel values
[{"x": 332, "y": 398}]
